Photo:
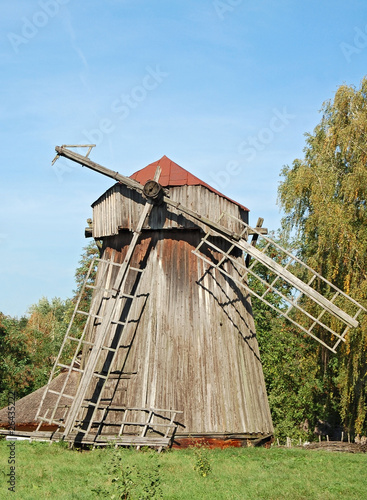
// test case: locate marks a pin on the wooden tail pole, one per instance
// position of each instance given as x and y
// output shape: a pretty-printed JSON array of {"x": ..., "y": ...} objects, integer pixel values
[{"x": 86, "y": 162}]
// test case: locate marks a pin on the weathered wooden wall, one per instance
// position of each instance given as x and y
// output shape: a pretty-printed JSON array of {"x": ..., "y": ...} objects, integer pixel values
[
  {"x": 191, "y": 343},
  {"x": 120, "y": 207}
]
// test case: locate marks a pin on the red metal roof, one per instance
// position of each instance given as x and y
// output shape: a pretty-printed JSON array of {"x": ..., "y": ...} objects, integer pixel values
[{"x": 174, "y": 175}]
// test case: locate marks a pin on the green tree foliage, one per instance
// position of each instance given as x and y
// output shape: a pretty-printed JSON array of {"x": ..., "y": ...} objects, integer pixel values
[
  {"x": 29, "y": 346},
  {"x": 323, "y": 196},
  {"x": 288, "y": 357}
]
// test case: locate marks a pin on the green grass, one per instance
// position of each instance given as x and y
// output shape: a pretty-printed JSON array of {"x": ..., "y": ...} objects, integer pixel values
[{"x": 51, "y": 471}]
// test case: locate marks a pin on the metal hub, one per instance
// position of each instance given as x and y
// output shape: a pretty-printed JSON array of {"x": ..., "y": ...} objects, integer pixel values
[{"x": 152, "y": 190}]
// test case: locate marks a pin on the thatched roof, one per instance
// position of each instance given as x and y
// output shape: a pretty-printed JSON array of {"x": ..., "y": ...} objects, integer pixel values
[{"x": 26, "y": 408}]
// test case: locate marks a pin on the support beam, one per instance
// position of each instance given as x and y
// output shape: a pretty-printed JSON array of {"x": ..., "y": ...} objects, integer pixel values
[{"x": 259, "y": 223}]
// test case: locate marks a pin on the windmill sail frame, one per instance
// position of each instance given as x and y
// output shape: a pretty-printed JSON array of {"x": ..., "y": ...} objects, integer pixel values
[{"x": 306, "y": 320}]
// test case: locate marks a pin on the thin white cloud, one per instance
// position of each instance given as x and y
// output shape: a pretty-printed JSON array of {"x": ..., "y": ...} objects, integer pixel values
[{"x": 68, "y": 25}]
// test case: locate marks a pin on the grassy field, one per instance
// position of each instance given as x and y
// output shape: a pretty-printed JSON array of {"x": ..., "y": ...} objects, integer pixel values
[{"x": 51, "y": 471}]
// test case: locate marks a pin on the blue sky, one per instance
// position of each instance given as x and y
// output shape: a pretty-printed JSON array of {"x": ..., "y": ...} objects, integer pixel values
[{"x": 225, "y": 88}]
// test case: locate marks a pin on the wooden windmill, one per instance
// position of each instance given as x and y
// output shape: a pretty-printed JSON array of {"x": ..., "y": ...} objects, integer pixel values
[{"x": 169, "y": 345}]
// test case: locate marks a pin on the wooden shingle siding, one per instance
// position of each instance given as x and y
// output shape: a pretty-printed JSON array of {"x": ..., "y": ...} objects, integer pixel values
[
  {"x": 193, "y": 345},
  {"x": 121, "y": 207}
]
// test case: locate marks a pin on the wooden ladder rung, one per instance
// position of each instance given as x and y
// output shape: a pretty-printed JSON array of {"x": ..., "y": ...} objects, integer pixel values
[
  {"x": 127, "y": 295},
  {"x": 105, "y": 348},
  {"x": 136, "y": 269},
  {"x": 108, "y": 290},
  {"x": 115, "y": 322},
  {"x": 88, "y": 403},
  {"x": 100, "y": 376},
  {"x": 89, "y": 314},
  {"x": 51, "y": 420},
  {"x": 70, "y": 367},
  {"x": 78, "y": 340},
  {"x": 62, "y": 394},
  {"x": 84, "y": 431}
]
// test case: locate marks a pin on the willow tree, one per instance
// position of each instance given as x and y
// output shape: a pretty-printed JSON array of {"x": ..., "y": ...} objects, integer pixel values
[{"x": 323, "y": 197}]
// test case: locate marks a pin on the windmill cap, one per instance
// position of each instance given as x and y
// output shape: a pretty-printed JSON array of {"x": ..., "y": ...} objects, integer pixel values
[{"x": 174, "y": 175}]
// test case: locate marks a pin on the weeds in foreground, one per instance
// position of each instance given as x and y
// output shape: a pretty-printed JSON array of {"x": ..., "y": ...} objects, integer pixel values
[
  {"x": 62, "y": 444},
  {"x": 202, "y": 461},
  {"x": 132, "y": 482}
]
